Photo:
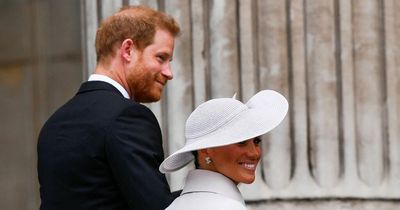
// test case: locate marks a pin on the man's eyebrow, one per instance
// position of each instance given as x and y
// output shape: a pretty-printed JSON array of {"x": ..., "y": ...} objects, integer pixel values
[{"x": 164, "y": 54}]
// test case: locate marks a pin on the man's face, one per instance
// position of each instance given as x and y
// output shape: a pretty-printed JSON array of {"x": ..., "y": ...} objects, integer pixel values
[{"x": 151, "y": 71}]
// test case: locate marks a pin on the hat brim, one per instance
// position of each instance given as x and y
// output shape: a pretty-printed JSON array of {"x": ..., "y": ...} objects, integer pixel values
[{"x": 266, "y": 110}]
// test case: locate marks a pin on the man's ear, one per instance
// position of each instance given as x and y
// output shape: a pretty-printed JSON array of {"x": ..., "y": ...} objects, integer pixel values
[{"x": 127, "y": 49}]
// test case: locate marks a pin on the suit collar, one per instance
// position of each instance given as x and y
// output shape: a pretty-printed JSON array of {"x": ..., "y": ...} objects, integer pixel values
[
  {"x": 208, "y": 181},
  {"x": 97, "y": 85},
  {"x": 104, "y": 78}
]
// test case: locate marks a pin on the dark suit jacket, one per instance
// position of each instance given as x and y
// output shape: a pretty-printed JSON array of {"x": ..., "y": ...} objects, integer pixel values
[{"x": 101, "y": 151}]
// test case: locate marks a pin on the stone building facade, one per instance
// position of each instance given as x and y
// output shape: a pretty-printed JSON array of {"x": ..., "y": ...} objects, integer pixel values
[{"x": 337, "y": 61}]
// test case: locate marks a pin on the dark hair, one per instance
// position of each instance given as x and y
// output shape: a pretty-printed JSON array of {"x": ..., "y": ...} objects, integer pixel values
[
  {"x": 138, "y": 23},
  {"x": 196, "y": 160}
]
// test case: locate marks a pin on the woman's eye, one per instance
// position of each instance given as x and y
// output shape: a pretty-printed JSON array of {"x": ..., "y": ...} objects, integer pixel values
[
  {"x": 242, "y": 143},
  {"x": 257, "y": 140}
]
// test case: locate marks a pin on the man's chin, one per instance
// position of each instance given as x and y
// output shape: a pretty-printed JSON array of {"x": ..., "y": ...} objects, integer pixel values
[{"x": 150, "y": 98}]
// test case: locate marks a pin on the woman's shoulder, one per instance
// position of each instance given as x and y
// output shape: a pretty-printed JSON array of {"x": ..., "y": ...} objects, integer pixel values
[{"x": 205, "y": 200}]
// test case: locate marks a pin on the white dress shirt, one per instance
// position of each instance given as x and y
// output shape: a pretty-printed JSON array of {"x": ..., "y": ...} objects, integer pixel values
[
  {"x": 100, "y": 77},
  {"x": 205, "y": 190}
]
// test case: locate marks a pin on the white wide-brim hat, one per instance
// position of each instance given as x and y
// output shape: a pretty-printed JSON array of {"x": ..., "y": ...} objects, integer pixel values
[{"x": 224, "y": 121}]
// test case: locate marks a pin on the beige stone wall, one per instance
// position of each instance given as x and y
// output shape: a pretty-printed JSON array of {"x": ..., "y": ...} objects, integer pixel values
[
  {"x": 337, "y": 61},
  {"x": 40, "y": 68},
  {"x": 325, "y": 205}
]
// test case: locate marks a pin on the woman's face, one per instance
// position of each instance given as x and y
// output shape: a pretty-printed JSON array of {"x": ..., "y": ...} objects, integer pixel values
[{"x": 237, "y": 161}]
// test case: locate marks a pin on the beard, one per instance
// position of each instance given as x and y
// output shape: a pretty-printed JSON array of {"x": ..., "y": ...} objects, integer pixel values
[{"x": 143, "y": 83}]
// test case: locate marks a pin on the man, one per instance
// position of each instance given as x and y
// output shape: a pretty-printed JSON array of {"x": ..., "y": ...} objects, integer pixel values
[{"x": 102, "y": 149}]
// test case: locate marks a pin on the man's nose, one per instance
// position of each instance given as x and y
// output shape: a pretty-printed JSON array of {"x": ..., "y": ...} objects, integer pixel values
[{"x": 167, "y": 71}]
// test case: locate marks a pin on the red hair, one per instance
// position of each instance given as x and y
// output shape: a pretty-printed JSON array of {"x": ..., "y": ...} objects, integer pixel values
[{"x": 138, "y": 23}]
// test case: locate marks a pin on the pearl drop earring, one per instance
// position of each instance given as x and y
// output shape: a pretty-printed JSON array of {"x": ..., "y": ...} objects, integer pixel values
[{"x": 208, "y": 160}]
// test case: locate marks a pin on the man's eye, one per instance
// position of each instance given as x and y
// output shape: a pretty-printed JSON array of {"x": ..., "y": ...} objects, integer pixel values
[{"x": 161, "y": 58}]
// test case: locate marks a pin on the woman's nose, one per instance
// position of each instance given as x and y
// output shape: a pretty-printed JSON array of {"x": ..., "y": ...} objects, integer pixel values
[{"x": 253, "y": 150}]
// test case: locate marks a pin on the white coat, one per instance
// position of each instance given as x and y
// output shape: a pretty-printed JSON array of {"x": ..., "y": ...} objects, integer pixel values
[{"x": 207, "y": 190}]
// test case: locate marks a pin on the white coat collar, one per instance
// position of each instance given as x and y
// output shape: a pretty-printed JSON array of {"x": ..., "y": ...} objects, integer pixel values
[
  {"x": 208, "y": 181},
  {"x": 104, "y": 78}
]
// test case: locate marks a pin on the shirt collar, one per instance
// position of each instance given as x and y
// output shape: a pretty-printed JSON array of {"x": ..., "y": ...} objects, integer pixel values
[
  {"x": 208, "y": 181},
  {"x": 100, "y": 77}
]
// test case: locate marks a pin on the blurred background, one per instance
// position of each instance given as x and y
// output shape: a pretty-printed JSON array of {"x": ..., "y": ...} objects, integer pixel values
[{"x": 337, "y": 62}]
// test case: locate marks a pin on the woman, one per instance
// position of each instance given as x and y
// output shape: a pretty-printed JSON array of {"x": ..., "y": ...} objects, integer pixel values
[{"x": 222, "y": 137}]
